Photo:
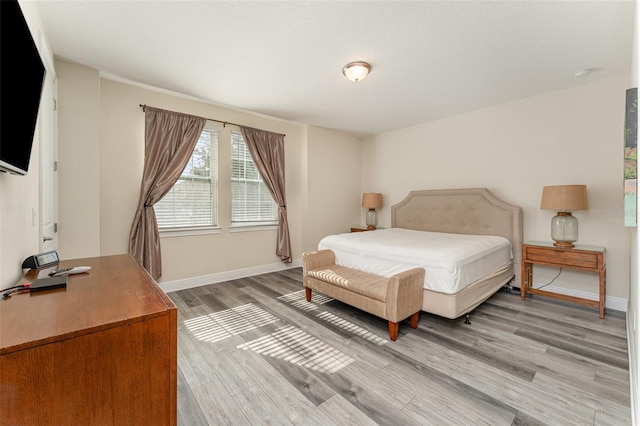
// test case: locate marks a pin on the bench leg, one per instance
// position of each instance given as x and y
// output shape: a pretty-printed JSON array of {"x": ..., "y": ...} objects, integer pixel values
[
  {"x": 414, "y": 319},
  {"x": 307, "y": 293},
  {"x": 393, "y": 331}
]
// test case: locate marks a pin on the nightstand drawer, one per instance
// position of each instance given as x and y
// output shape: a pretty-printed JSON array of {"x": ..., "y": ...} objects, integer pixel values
[{"x": 562, "y": 257}]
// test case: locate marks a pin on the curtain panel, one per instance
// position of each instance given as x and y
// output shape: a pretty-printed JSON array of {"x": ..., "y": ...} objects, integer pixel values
[
  {"x": 170, "y": 138},
  {"x": 267, "y": 151}
]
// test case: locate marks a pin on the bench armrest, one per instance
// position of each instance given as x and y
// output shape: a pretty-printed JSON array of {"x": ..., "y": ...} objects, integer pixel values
[
  {"x": 317, "y": 259},
  {"x": 401, "y": 294}
]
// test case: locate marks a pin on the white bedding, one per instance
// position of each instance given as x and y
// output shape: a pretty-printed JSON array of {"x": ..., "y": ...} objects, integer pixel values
[{"x": 451, "y": 261}]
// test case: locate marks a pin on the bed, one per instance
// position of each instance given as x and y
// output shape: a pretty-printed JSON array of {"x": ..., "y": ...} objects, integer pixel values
[{"x": 455, "y": 220}]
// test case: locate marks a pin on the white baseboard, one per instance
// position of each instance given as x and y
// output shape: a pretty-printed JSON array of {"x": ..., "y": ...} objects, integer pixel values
[
  {"x": 615, "y": 303},
  {"x": 220, "y": 277}
]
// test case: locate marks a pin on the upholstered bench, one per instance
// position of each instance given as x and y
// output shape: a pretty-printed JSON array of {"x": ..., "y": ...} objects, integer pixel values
[{"x": 392, "y": 298}]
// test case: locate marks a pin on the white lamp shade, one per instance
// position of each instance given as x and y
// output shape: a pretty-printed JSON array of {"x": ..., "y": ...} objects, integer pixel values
[{"x": 356, "y": 71}]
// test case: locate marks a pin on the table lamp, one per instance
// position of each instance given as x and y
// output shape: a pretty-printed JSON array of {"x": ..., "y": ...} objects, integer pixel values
[
  {"x": 372, "y": 201},
  {"x": 564, "y": 199}
]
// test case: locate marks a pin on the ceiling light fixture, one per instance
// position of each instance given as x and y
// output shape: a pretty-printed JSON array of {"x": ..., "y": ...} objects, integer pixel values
[
  {"x": 356, "y": 71},
  {"x": 582, "y": 73}
]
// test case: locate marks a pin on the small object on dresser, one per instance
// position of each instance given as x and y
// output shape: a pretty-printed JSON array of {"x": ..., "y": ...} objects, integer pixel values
[
  {"x": 70, "y": 271},
  {"x": 48, "y": 284},
  {"x": 41, "y": 260}
]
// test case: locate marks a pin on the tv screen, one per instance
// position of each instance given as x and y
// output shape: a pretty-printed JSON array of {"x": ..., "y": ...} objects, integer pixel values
[{"x": 22, "y": 76}]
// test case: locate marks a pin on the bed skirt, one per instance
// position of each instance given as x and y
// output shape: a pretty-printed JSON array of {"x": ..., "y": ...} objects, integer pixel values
[{"x": 455, "y": 305}]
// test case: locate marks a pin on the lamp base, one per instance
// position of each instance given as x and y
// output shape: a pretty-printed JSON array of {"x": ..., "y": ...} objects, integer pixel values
[
  {"x": 372, "y": 219},
  {"x": 564, "y": 230},
  {"x": 562, "y": 244}
]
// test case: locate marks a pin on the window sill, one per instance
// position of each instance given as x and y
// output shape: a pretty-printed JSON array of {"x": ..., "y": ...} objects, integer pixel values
[
  {"x": 253, "y": 227},
  {"x": 187, "y": 232}
]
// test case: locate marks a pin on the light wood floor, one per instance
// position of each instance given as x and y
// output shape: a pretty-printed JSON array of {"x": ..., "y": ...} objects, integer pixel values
[{"x": 254, "y": 352}]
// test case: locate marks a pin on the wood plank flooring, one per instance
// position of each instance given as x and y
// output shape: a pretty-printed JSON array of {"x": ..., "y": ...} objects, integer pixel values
[{"x": 253, "y": 352}]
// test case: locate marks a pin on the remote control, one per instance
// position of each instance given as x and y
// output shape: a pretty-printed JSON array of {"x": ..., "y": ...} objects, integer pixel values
[{"x": 70, "y": 271}]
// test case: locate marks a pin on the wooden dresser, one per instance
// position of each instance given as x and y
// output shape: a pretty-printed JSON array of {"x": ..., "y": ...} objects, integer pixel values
[{"x": 102, "y": 351}]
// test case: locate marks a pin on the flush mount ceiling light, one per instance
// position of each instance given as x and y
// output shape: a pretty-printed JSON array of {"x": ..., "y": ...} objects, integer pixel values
[
  {"x": 583, "y": 73},
  {"x": 356, "y": 71}
]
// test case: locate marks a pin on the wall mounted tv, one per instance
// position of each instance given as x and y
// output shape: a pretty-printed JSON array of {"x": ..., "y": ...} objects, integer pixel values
[{"x": 22, "y": 75}]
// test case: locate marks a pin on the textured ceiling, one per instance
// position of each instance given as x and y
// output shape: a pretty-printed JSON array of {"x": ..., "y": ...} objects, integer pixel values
[{"x": 430, "y": 59}]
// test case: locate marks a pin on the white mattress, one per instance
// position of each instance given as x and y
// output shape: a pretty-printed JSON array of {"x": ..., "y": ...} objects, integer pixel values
[{"x": 451, "y": 261}]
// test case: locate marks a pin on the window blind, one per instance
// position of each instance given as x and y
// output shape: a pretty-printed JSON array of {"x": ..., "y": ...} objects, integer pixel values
[
  {"x": 192, "y": 202},
  {"x": 251, "y": 201}
]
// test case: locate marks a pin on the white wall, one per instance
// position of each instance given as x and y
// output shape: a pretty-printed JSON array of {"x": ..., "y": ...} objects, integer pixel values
[
  {"x": 572, "y": 136},
  {"x": 19, "y": 236},
  {"x": 334, "y": 193},
  {"x": 78, "y": 161},
  {"x": 19, "y": 195}
]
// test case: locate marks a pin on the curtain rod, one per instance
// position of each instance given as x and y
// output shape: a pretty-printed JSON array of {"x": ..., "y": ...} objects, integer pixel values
[{"x": 224, "y": 123}]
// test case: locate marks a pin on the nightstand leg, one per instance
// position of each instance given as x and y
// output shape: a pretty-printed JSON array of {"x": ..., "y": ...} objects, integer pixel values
[
  {"x": 603, "y": 285},
  {"x": 527, "y": 272}
]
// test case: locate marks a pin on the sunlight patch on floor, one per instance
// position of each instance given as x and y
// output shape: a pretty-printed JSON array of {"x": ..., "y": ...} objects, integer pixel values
[
  {"x": 298, "y": 300},
  {"x": 230, "y": 322},
  {"x": 294, "y": 346},
  {"x": 351, "y": 327}
]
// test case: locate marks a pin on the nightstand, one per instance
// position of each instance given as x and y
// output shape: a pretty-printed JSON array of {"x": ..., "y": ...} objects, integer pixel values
[
  {"x": 360, "y": 229},
  {"x": 357, "y": 229},
  {"x": 583, "y": 258}
]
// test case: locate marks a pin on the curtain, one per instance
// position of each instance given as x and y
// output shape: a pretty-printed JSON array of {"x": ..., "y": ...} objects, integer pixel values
[
  {"x": 267, "y": 151},
  {"x": 170, "y": 138}
]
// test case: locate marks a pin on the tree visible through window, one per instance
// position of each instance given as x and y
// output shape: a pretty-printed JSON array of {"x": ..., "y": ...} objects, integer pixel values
[
  {"x": 192, "y": 202},
  {"x": 251, "y": 201}
]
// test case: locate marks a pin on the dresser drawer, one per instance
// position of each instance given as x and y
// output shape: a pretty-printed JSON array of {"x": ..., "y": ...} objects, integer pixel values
[{"x": 562, "y": 257}]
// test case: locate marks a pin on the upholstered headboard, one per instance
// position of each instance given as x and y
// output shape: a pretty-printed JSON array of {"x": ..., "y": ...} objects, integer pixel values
[{"x": 462, "y": 211}]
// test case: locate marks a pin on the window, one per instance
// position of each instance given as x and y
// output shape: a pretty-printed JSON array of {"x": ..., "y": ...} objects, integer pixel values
[
  {"x": 251, "y": 201},
  {"x": 193, "y": 200}
]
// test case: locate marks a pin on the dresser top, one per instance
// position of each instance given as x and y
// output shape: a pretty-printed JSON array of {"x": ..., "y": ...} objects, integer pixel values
[{"x": 116, "y": 291}]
